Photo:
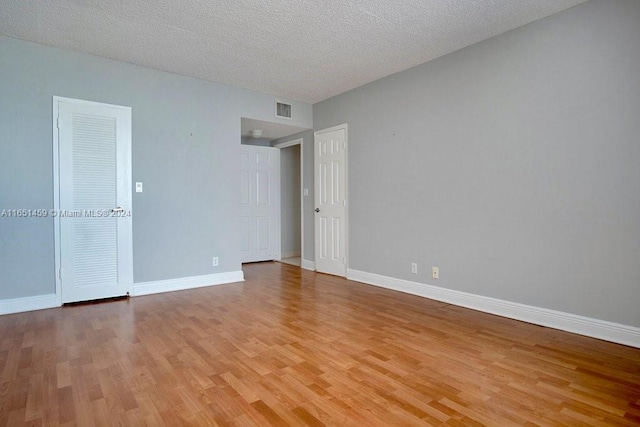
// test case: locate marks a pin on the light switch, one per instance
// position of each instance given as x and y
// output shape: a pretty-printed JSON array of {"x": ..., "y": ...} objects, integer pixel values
[
  {"x": 306, "y": 192},
  {"x": 138, "y": 187}
]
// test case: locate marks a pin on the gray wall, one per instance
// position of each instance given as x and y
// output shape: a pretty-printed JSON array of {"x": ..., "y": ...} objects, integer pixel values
[
  {"x": 513, "y": 165},
  {"x": 290, "y": 201},
  {"x": 307, "y": 201},
  {"x": 186, "y": 150}
]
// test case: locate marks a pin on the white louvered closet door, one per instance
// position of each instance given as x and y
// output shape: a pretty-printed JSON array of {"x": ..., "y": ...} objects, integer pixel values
[{"x": 95, "y": 200}]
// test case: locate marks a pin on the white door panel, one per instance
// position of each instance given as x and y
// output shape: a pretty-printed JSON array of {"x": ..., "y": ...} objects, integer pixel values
[
  {"x": 260, "y": 203},
  {"x": 94, "y": 167},
  {"x": 330, "y": 217},
  {"x": 245, "y": 231}
]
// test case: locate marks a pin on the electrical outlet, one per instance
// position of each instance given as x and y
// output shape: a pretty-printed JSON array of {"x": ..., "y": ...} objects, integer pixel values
[
  {"x": 215, "y": 261},
  {"x": 414, "y": 268},
  {"x": 435, "y": 272}
]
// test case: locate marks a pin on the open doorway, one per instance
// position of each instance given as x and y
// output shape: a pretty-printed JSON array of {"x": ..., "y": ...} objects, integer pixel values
[
  {"x": 291, "y": 222},
  {"x": 287, "y": 236}
]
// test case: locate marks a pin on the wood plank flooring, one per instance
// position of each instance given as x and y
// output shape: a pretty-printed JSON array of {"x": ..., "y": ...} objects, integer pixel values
[{"x": 291, "y": 347}]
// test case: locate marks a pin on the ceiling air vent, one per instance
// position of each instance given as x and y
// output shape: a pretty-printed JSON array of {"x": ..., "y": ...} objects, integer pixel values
[{"x": 283, "y": 111}]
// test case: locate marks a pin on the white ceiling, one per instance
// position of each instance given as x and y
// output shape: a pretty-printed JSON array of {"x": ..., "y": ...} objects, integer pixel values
[
  {"x": 270, "y": 130},
  {"x": 305, "y": 50}
]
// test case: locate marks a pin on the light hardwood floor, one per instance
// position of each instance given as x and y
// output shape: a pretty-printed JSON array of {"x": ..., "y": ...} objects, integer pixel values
[
  {"x": 291, "y": 347},
  {"x": 296, "y": 260}
]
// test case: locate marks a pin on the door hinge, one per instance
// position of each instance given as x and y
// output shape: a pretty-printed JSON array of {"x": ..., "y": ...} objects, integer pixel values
[
  {"x": 60, "y": 274},
  {"x": 58, "y": 122}
]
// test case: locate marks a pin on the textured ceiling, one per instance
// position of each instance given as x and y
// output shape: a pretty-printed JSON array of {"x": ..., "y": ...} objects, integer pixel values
[{"x": 305, "y": 50}]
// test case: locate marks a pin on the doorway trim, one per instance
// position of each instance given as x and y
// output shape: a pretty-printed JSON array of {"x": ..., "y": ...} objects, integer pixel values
[
  {"x": 56, "y": 191},
  {"x": 300, "y": 142}
]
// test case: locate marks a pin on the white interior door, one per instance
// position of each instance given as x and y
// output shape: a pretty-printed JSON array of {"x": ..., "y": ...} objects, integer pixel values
[
  {"x": 331, "y": 200},
  {"x": 94, "y": 199},
  {"x": 260, "y": 203}
]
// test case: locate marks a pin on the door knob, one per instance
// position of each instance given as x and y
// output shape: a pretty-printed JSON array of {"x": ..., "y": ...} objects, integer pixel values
[{"x": 317, "y": 209}]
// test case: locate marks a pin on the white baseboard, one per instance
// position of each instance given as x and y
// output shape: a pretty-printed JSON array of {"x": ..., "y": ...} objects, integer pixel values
[
  {"x": 290, "y": 254},
  {"x": 39, "y": 302},
  {"x": 158, "y": 286},
  {"x": 608, "y": 331},
  {"x": 308, "y": 265}
]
